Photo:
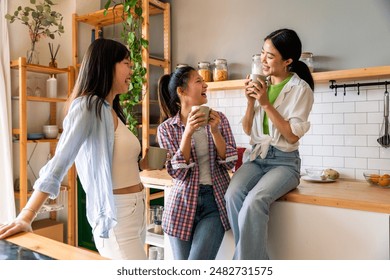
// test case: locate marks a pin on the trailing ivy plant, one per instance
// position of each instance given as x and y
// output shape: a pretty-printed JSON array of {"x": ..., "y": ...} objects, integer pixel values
[{"x": 132, "y": 37}]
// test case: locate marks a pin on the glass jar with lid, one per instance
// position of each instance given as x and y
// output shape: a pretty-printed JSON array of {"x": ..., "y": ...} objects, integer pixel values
[
  {"x": 307, "y": 58},
  {"x": 204, "y": 70},
  {"x": 256, "y": 64},
  {"x": 180, "y": 65},
  {"x": 220, "y": 70}
]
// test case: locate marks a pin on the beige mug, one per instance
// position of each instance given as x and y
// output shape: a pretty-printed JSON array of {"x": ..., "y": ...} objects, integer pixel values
[
  {"x": 203, "y": 109},
  {"x": 157, "y": 157},
  {"x": 255, "y": 77}
]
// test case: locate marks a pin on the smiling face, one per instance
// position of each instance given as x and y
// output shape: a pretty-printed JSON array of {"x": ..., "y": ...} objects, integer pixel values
[
  {"x": 122, "y": 77},
  {"x": 195, "y": 92},
  {"x": 273, "y": 63}
]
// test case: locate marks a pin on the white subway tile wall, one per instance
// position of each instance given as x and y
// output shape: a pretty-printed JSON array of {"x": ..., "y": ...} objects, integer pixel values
[{"x": 344, "y": 128}]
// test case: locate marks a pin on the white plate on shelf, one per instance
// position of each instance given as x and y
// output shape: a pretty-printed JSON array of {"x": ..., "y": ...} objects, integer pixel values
[{"x": 316, "y": 180}]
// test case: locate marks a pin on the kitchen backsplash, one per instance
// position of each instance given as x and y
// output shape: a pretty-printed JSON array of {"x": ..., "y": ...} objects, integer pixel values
[{"x": 344, "y": 128}]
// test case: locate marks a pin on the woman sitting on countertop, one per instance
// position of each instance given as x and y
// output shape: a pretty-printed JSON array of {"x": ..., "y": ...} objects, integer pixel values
[
  {"x": 195, "y": 216},
  {"x": 276, "y": 118}
]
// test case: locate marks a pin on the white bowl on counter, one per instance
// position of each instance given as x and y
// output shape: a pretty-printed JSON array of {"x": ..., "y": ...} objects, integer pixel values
[{"x": 50, "y": 131}]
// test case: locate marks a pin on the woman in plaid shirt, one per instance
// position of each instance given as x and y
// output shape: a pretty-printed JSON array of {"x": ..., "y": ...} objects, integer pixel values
[{"x": 195, "y": 216}]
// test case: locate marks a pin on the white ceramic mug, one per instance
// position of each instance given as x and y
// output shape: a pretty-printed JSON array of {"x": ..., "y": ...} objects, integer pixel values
[
  {"x": 203, "y": 109},
  {"x": 157, "y": 157}
]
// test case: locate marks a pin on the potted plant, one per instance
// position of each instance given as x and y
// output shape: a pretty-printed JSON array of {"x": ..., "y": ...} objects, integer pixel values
[
  {"x": 132, "y": 37},
  {"x": 41, "y": 22}
]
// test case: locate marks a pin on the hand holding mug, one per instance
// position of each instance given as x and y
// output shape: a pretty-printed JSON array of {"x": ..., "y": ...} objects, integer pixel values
[
  {"x": 198, "y": 117},
  {"x": 214, "y": 120}
]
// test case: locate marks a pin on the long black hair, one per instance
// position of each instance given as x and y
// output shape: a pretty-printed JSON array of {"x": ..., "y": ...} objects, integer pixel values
[
  {"x": 287, "y": 42},
  {"x": 96, "y": 74},
  {"x": 167, "y": 91}
]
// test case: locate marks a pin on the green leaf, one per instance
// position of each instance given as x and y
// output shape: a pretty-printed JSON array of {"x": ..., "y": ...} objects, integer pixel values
[
  {"x": 132, "y": 3},
  {"x": 107, "y": 5},
  {"x": 138, "y": 11}
]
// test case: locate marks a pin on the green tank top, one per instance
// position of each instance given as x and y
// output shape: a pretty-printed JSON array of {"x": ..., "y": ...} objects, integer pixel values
[{"x": 273, "y": 93}]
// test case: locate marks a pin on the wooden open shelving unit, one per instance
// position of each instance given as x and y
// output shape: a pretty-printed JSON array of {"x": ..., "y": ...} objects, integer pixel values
[{"x": 21, "y": 133}]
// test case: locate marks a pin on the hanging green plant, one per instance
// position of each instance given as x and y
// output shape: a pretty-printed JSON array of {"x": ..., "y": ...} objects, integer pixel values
[{"x": 131, "y": 34}]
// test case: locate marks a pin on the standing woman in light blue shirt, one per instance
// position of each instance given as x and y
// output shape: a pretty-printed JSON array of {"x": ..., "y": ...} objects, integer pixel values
[
  {"x": 275, "y": 119},
  {"x": 105, "y": 153}
]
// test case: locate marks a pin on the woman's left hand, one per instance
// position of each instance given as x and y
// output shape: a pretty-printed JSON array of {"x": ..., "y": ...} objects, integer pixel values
[
  {"x": 259, "y": 92},
  {"x": 214, "y": 121}
]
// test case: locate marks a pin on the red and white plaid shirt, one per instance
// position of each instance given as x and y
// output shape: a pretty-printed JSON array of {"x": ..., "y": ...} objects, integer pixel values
[{"x": 180, "y": 209}]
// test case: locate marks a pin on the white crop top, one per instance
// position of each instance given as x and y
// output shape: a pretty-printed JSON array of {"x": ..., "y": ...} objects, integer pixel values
[{"x": 125, "y": 170}]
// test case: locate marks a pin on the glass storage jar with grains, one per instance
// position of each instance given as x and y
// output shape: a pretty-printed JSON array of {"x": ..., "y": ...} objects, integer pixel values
[
  {"x": 204, "y": 71},
  {"x": 220, "y": 70}
]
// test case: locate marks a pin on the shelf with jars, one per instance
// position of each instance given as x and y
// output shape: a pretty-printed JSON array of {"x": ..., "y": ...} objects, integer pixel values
[
  {"x": 21, "y": 137},
  {"x": 319, "y": 77}
]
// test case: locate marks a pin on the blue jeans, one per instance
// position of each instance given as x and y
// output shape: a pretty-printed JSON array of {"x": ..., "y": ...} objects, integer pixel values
[
  {"x": 207, "y": 232},
  {"x": 253, "y": 188}
]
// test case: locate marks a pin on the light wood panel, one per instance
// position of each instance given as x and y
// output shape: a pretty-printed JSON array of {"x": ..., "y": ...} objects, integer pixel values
[{"x": 52, "y": 248}]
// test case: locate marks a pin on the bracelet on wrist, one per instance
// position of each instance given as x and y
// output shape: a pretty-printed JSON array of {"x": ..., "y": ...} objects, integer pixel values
[{"x": 31, "y": 210}]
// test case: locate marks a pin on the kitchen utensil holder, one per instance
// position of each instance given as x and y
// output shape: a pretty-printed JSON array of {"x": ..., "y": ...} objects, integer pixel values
[{"x": 335, "y": 86}]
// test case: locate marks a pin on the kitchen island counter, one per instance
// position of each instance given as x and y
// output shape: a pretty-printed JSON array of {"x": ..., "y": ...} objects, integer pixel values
[{"x": 345, "y": 219}]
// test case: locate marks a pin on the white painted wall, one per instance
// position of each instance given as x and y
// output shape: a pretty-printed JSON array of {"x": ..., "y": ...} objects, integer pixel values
[{"x": 341, "y": 34}]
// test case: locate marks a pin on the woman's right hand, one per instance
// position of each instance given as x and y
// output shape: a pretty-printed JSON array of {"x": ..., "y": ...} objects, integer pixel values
[
  {"x": 249, "y": 91},
  {"x": 194, "y": 120},
  {"x": 18, "y": 225}
]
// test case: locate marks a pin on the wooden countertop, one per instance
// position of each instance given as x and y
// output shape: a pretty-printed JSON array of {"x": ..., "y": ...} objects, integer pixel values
[
  {"x": 52, "y": 248},
  {"x": 349, "y": 194}
]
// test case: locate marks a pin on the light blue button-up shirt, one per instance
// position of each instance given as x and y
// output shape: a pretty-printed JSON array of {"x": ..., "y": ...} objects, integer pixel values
[{"x": 88, "y": 141}]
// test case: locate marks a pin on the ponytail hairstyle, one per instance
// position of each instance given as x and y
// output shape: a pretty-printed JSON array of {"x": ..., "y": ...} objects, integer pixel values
[
  {"x": 168, "y": 84},
  {"x": 287, "y": 42}
]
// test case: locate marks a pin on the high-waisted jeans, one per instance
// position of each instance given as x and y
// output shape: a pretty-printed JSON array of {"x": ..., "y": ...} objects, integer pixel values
[
  {"x": 252, "y": 190},
  {"x": 127, "y": 239},
  {"x": 207, "y": 232}
]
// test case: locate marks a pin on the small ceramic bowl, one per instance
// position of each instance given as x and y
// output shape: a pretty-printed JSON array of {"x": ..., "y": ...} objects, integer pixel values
[{"x": 50, "y": 131}]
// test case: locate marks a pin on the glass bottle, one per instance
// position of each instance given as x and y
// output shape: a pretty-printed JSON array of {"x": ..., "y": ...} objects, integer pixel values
[
  {"x": 204, "y": 70},
  {"x": 307, "y": 58},
  {"x": 256, "y": 64},
  {"x": 220, "y": 70}
]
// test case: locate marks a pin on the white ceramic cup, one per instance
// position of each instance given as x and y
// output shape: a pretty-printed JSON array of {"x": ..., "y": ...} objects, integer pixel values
[
  {"x": 203, "y": 109},
  {"x": 157, "y": 157}
]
